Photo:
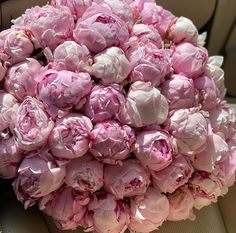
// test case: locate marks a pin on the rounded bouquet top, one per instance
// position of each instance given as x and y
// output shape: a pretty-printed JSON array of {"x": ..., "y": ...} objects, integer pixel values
[{"x": 112, "y": 115}]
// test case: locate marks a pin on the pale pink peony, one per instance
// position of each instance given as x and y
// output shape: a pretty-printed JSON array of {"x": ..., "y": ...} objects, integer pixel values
[
  {"x": 213, "y": 70},
  {"x": 205, "y": 187},
  {"x": 84, "y": 174},
  {"x": 106, "y": 214},
  {"x": 190, "y": 129},
  {"x": 66, "y": 206},
  {"x": 49, "y": 25},
  {"x": 207, "y": 92},
  {"x": 72, "y": 57},
  {"x": 20, "y": 79},
  {"x": 128, "y": 180},
  {"x": 15, "y": 45},
  {"x": 156, "y": 16},
  {"x": 183, "y": 30},
  {"x": 216, "y": 151},
  {"x": 174, "y": 176},
  {"x": 77, "y": 7},
  {"x": 38, "y": 176},
  {"x": 111, "y": 66},
  {"x": 111, "y": 142},
  {"x": 154, "y": 149},
  {"x": 189, "y": 60},
  {"x": 9, "y": 171},
  {"x": 32, "y": 126},
  {"x": 99, "y": 28},
  {"x": 223, "y": 120},
  {"x": 142, "y": 33},
  {"x": 179, "y": 91},
  {"x": 148, "y": 211},
  {"x": 149, "y": 63},
  {"x": 181, "y": 205},
  {"x": 104, "y": 103},
  {"x": 8, "y": 109},
  {"x": 70, "y": 137},
  {"x": 145, "y": 105},
  {"x": 60, "y": 91}
]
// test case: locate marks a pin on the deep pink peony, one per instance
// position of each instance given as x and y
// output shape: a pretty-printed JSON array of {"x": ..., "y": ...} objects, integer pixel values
[
  {"x": 154, "y": 149},
  {"x": 85, "y": 174},
  {"x": 111, "y": 142},
  {"x": 66, "y": 206},
  {"x": 148, "y": 211},
  {"x": 60, "y": 91},
  {"x": 127, "y": 180},
  {"x": 21, "y": 78},
  {"x": 70, "y": 136}
]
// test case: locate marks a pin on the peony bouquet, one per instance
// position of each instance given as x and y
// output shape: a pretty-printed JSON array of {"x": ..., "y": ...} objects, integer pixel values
[{"x": 112, "y": 115}]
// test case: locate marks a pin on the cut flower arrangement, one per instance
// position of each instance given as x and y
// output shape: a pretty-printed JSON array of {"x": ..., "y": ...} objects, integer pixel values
[{"x": 112, "y": 115}]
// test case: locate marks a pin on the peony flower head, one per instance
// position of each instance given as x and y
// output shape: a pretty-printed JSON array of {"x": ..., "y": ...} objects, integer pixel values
[
  {"x": 183, "y": 30},
  {"x": 154, "y": 149},
  {"x": 128, "y": 180},
  {"x": 145, "y": 105},
  {"x": 174, "y": 176},
  {"x": 21, "y": 78},
  {"x": 111, "y": 142},
  {"x": 60, "y": 91},
  {"x": 189, "y": 60},
  {"x": 111, "y": 66},
  {"x": 84, "y": 174},
  {"x": 104, "y": 103},
  {"x": 38, "y": 176},
  {"x": 66, "y": 206},
  {"x": 70, "y": 137},
  {"x": 47, "y": 22},
  {"x": 179, "y": 91}
]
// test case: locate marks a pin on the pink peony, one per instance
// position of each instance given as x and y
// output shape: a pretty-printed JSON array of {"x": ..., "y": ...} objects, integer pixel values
[
  {"x": 207, "y": 91},
  {"x": 105, "y": 103},
  {"x": 183, "y": 30},
  {"x": 70, "y": 137},
  {"x": 99, "y": 28},
  {"x": 8, "y": 109},
  {"x": 216, "y": 151},
  {"x": 66, "y": 206},
  {"x": 106, "y": 214},
  {"x": 72, "y": 57},
  {"x": 142, "y": 33},
  {"x": 181, "y": 205},
  {"x": 32, "y": 126},
  {"x": 60, "y": 91},
  {"x": 37, "y": 177},
  {"x": 144, "y": 106},
  {"x": 189, "y": 60},
  {"x": 128, "y": 180},
  {"x": 3, "y": 70},
  {"x": 111, "y": 142},
  {"x": 77, "y": 7},
  {"x": 174, "y": 176},
  {"x": 111, "y": 66},
  {"x": 157, "y": 16},
  {"x": 154, "y": 149},
  {"x": 213, "y": 70},
  {"x": 190, "y": 129},
  {"x": 85, "y": 174},
  {"x": 179, "y": 91},
  {"x": 223, "y": 119},
  {"x": 148, "y": 211},
  {"x": 15, "y": 45},
  {"x": 9, "y": 171},
  {"x": 20, "y": 80},
  {"x": 47, "y": 22},
  {"x": 205, "y": 187},
  {"x": 149, "y": 64}
]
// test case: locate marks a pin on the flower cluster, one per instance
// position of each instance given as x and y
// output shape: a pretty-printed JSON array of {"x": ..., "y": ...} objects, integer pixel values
[{"x": 112, "y": 115}]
